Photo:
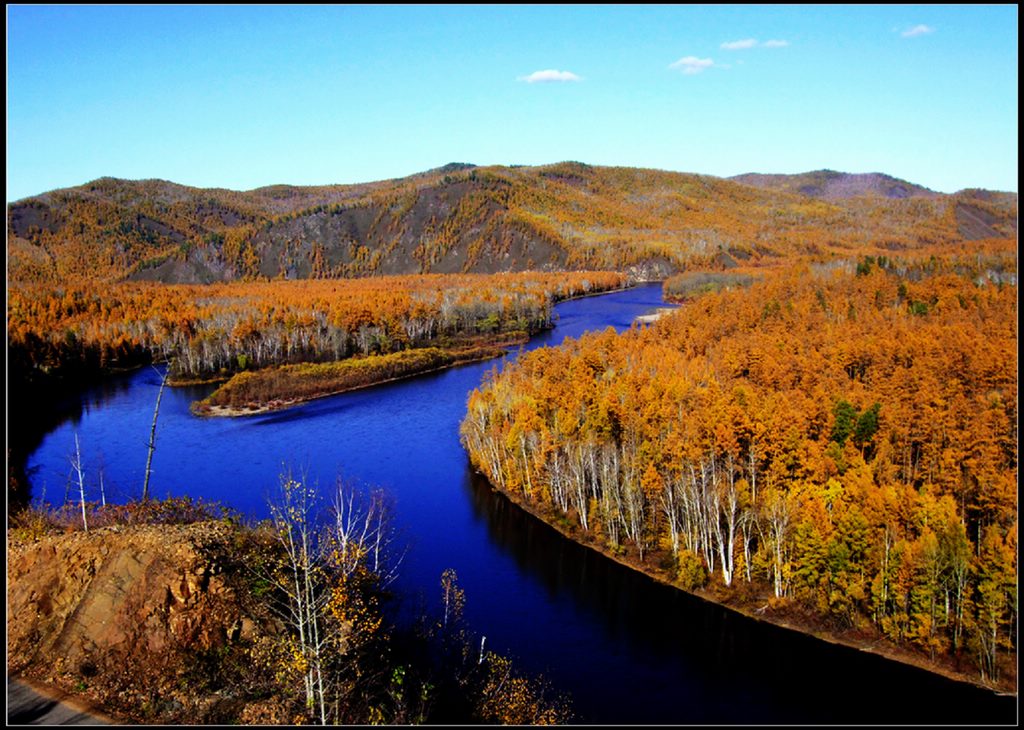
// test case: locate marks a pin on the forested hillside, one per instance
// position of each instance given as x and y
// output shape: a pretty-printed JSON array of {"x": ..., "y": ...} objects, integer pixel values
[
  {"x": 462, "y": 218},
  {"x": 838, "y": 438}
]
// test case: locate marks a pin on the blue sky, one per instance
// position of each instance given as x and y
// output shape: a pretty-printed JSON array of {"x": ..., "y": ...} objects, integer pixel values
[{"x": 240, "y": 97}]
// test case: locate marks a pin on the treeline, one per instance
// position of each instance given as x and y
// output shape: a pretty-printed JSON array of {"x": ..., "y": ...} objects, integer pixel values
[
  {"x": 845, "y": 440},
  {"x": 207, "y": 330}
]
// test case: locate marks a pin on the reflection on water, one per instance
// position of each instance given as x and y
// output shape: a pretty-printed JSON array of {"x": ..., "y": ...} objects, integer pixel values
[
  {"x": 694, "y": 662},
  {"x": 31, "y": 414}
]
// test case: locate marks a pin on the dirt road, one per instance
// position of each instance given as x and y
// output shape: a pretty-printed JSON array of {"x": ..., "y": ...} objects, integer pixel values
[{"x": 33, "y": 704}]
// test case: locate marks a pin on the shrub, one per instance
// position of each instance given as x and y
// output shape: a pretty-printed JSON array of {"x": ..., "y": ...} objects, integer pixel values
[{"x": 692, "y": 574}]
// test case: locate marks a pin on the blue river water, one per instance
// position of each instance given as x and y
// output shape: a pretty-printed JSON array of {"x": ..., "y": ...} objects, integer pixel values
[{"x": 626, "y": 649}]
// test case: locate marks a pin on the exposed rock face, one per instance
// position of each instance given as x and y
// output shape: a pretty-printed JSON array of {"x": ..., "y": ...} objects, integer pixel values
[{"x": 119, "y": 597}]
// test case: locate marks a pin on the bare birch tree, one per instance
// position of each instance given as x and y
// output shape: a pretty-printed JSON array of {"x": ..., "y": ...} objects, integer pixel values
[
  {"x": 76, "y": 465},
  {"x": 152, "y": 435},
  {"x": 324, "y": 559}
]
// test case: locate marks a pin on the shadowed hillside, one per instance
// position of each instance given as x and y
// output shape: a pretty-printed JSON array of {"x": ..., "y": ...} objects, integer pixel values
[{"x": 462, "y": 218}]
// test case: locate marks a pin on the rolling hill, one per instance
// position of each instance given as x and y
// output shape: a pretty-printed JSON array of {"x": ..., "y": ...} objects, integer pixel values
[{"x": 464, "y": 218}]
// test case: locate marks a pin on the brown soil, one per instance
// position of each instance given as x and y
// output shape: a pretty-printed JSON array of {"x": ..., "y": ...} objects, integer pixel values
[{"x": 114, "y": 615}]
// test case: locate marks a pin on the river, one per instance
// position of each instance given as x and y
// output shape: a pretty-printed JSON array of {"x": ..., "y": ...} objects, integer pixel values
[{"x": 626, "y": 649}]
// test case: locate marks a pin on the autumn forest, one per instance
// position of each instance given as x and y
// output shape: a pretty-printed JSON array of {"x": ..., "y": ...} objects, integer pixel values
[
  {"x": 844, "y": 436},
  {"x": 821, "y": 434}
]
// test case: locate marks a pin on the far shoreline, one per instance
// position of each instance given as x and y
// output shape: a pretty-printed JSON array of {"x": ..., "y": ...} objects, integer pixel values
[{"x": 204, "y": 409}]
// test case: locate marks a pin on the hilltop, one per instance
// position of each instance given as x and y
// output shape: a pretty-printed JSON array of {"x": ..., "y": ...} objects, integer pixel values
[
  {"x": 464, "y": 218},
  {"x": 832, "y": 185}
]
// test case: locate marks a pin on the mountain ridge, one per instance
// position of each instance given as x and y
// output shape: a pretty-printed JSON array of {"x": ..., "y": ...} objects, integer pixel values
[{"x": 462, "y": 217}]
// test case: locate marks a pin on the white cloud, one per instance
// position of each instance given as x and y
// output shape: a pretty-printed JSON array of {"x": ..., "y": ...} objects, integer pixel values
[
  {"x": 549, "y": 75},
  {"x": 752, "y": 43},
  {"x": 917, "y": 30},
  {"x": 739, "y": 45},
  {"x": 691, "y": 65}
]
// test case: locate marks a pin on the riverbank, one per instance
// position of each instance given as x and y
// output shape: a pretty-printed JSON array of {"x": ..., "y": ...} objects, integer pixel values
[
  {"x": 165, "y": 613},
  {"x": 758, "y": 603},
  {"x": 277, "y": 388},
  {"x": 654, "y": 316}
]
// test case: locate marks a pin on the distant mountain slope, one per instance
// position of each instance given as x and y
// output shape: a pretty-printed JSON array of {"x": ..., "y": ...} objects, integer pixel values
[
  {"x": 464, "y": 218},
  {"x": 832, "y": 185}
]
